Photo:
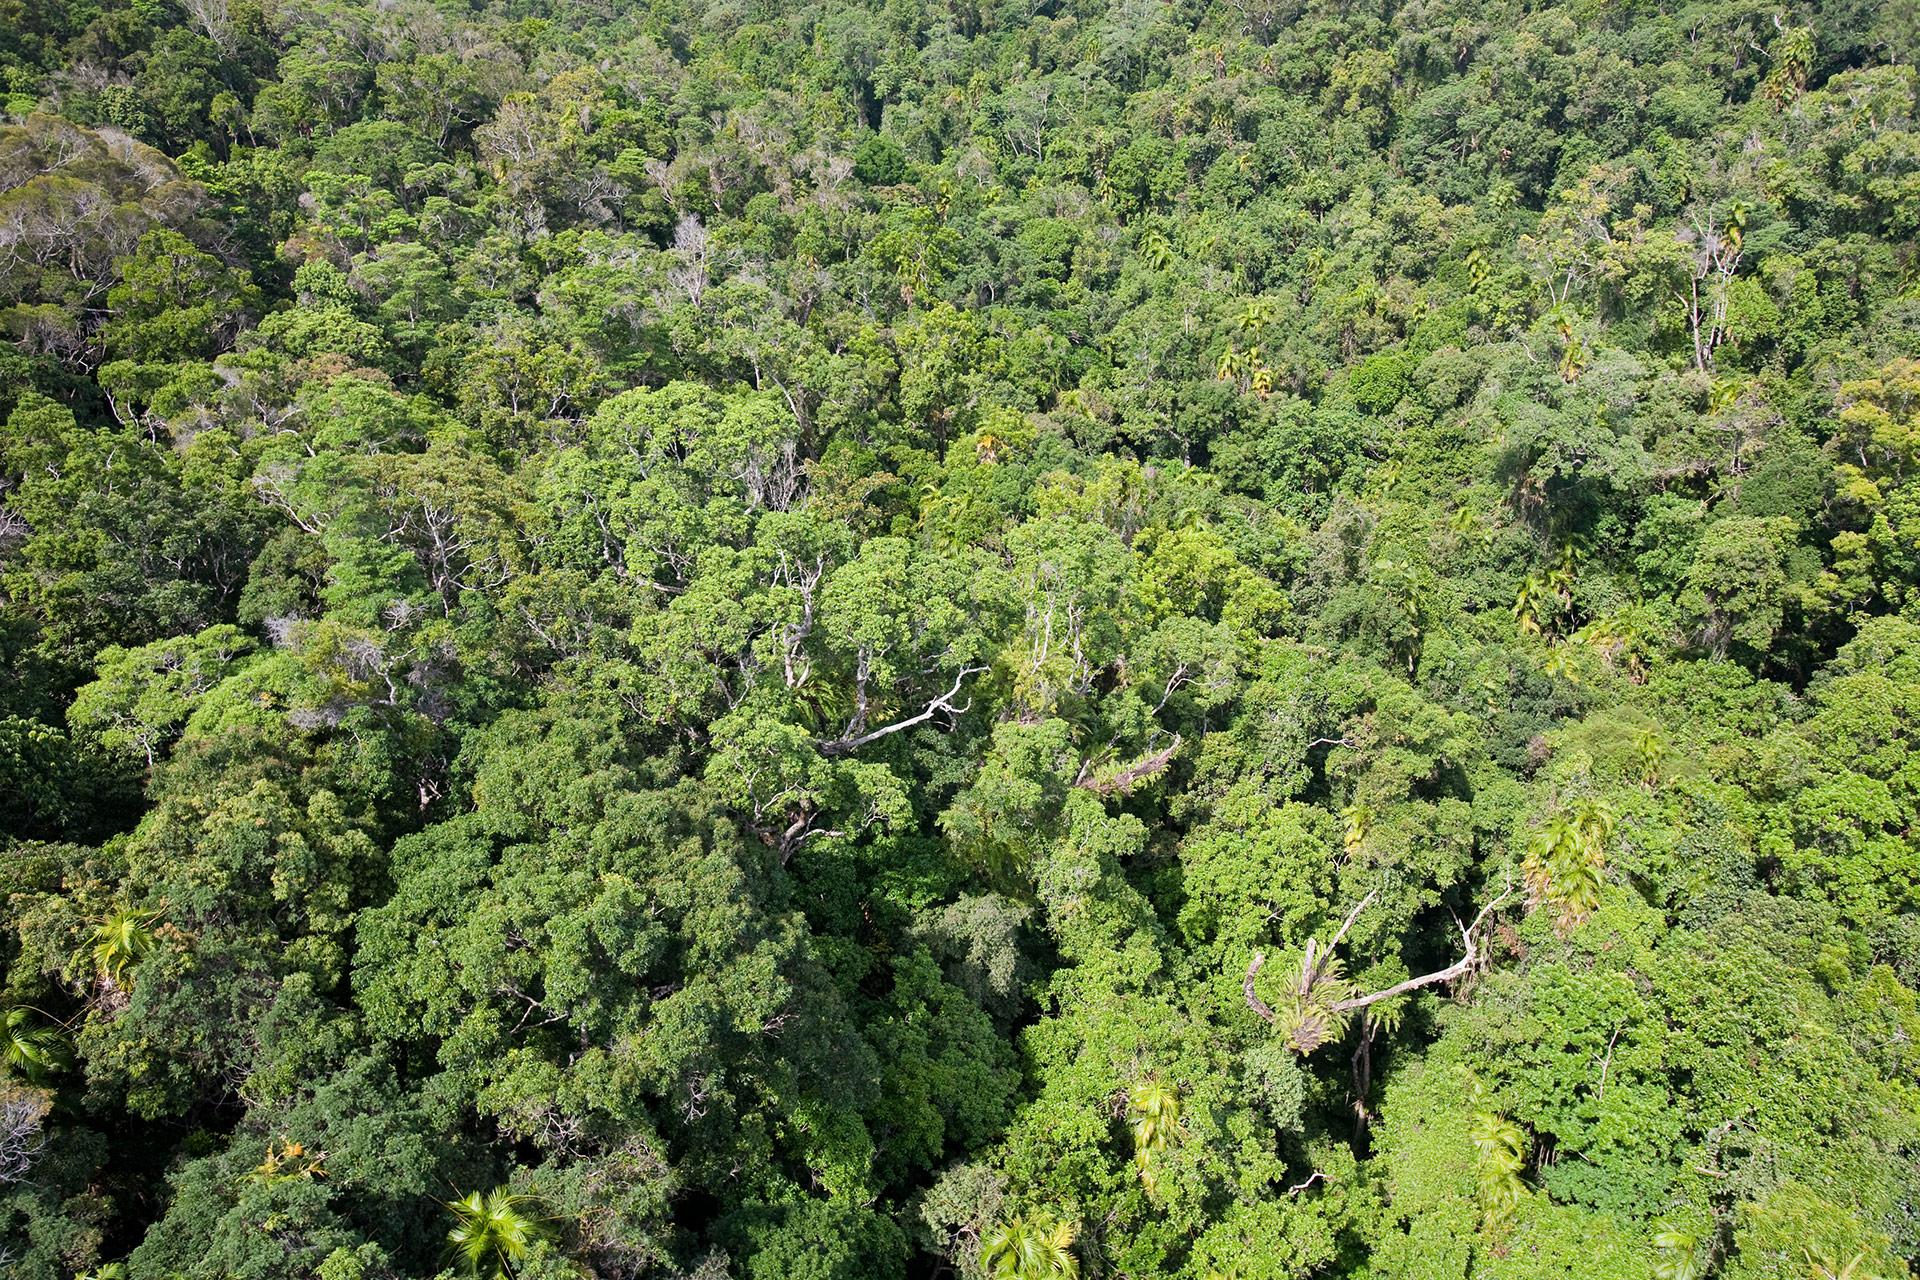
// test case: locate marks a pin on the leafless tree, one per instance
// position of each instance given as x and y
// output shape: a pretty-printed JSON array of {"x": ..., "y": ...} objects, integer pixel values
[
  {"x": 690, "y": 247},
  {"x": 22, "y": 1113},
  {"x": 1713, "y": 258}
]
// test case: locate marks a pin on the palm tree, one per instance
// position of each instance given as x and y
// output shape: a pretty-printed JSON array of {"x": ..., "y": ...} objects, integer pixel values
[
  {"x": 1825, "y": 1268},
  {"x": 1594, "y": 822},
  {"x": 1234, "y": 362},
  {"x": 1566, "y": 861},
  {"x": 31, "y": 1049},
  {"x": 1157, "y": 249},
  {"x": 1681, "y": 1255},
  {"x": 1527, "y": 602},
  {"x": 1357, "y": 820},
  {"x": 1035, "y": 1246},
  {"x": 1468, "y": 525},
  {"x": 1560, "y": 664},
  {"x": 1649, "y": 749},
  {"x": 121, "y": 940},
  {"x": 491, "y": 1232},
  {"x": 1155, "y": 1109},
  {"x": 1502, "y": 1147},
  {"x": 1477, "y": 269}
]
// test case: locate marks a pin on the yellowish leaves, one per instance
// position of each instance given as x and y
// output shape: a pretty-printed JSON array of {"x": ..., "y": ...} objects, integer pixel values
[
  {"x": 121, "y": 940},
  {"x": 1153, "y": 1107},
  {"x": 1245, "y": 369},
  {"x": 286, "y": 1161},
  {"x": 1032, "y": 1246}
]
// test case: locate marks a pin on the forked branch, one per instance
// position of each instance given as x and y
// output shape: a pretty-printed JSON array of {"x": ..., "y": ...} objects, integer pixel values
[
  {"x": 1469, "y": 959},
  {"x": 1472, "y": 953},
  {"x": 944, "y": 703}
]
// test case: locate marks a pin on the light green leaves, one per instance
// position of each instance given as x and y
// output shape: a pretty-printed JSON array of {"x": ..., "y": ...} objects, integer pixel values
[
  {"x": 1153, "y": 1107},
  {"x": 1501, "y": 1152},
  {"x": 121, "y": 941},
  {"x": 1565, "y": 863},
  {"x": 491, "y": 1232},
  {"x": 31, "y": 1047},
  {"x": 1032, "y": 1246}
]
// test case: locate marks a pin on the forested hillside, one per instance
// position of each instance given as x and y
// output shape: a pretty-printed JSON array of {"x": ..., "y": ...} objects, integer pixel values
[{"x": 882, "y": 639}]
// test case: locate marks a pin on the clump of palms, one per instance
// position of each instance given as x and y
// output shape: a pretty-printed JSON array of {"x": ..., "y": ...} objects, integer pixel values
[
  {"x": 491, "y": 1231},
  {"x": 1032, "y": 1246}
]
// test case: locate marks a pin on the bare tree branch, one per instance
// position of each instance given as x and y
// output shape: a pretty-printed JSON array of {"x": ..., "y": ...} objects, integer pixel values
[
  {"x": 1341, "y": 933},
  {"x": 1254, "y": 1002},
  {"x": 22, "y": 1112},
  {"x": 844, "y": 745},
  {"x": 1458, "y": 968},
  {"x": 1316, "y": 956}
]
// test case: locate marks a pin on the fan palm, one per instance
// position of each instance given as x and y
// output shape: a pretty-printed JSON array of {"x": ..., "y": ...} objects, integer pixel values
[
  {"x": 491, "y": 1232},
  {"x": 122, "y": 939},
  {"x": 31, "y": 1049},
  {"x": 1036, "y": 1246}
]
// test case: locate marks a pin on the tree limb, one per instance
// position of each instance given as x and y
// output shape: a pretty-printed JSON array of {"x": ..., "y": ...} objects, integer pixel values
[
  {"x": 1254, "y": 1002},
  {"x": 843, "y": 745},
  {"x": 1347, "y": 924},
  {"x": 1458, "y": 968},
  {"x": 1138, "y": 771}
]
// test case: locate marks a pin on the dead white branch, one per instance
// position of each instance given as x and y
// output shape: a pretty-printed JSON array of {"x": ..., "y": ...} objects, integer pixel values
[{"x": 944, "y": 703}]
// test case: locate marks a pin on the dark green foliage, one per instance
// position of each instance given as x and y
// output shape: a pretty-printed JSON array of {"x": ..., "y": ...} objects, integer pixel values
[{"x": 860, "y": 641}]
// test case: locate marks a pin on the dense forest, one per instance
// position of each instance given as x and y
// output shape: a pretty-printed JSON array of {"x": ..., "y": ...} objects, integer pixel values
[{"x": 882, "y": 639}]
